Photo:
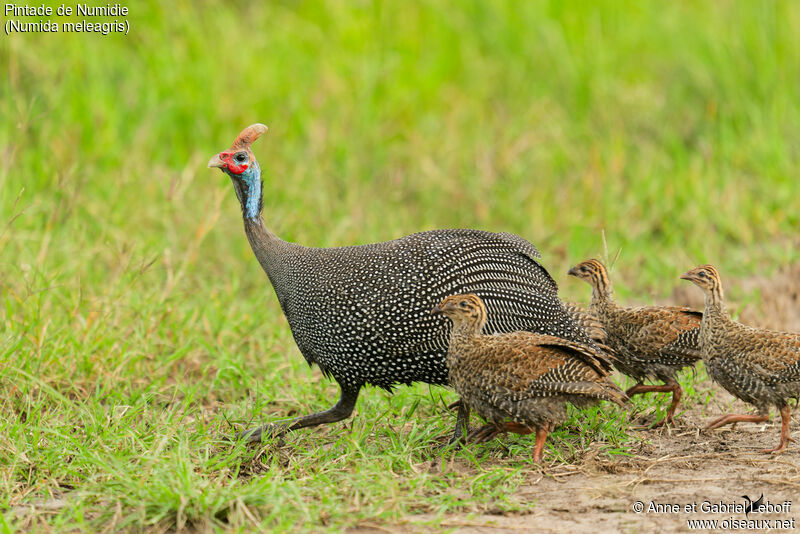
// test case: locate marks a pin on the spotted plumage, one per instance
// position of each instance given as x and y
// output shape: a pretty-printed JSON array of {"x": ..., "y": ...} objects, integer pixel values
[
  {"x": 652, "y": 342},
  {"x": 590, "y": 323},
  {"x": 519, "y": 381},
  {"x": 758, "y": 366},
  {"x": 362, "y": 313}
]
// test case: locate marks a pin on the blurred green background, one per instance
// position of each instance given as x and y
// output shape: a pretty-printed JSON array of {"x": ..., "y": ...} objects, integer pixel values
[{"x": 662, "y": 134}]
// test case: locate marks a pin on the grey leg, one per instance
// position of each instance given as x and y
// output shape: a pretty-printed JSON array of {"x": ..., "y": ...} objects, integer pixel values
[{"x": 341, "y": 410}]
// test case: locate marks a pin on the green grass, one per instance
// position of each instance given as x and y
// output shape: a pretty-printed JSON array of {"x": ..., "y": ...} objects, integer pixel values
[{"x": 135, "y": 322}]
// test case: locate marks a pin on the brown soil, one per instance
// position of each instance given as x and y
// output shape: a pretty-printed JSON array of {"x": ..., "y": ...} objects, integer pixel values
[{"x": 677, "y": 466}]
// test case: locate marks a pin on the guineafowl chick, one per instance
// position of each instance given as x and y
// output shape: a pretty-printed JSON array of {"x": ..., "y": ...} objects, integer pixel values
[
  {"x": 588, "y": 321},
  {"x": 758, "y": 366},
  {"x": 649, "y": 342},
  {"x": 520, "y": 381}
]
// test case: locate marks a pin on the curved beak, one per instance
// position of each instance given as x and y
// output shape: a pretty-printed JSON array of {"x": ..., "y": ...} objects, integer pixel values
[
  {"x": 572, "y": 272},
  {"x": 437, "y": 311},
  {"x": 216, "y": 162}
]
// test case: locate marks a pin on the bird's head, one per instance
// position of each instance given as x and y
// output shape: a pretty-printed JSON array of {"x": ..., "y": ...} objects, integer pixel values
[
  {"x": 705, "y": 277},
  {"x": 468, "y": 310},
  {"x": 593, "y": 272},
  {"x": 240, "y": 164},
  {"x": 239, "y": 158}
]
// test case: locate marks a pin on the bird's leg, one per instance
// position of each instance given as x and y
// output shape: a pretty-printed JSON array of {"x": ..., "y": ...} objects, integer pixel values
[
  {"x": 735, "y": 418},
  {"x": 517, "y": 428},
  {"x": 454, "y": 405},
  {"x": 460, "y": 432},
  {"x": 541, "y": 436},
  {"x": 484, "y": 433},
  {"x": 677, "y": 393},
  {"x": 670, "y": 387},
  {"x": 341, "y": 410},
  {"x": 638, "y": 389},
  {"x": 634, "y": 390},
  {"x": 490, "y": 431},
  {"x": 462, "y": 425},
  {"x": 786, "y": 417}
]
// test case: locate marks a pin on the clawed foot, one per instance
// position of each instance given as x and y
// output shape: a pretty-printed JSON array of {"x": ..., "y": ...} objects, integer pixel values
[
  {"x": 715, "y": 423},
  {"x": 668, "y": 421},
  {"x": 663, "y": 423},
  {"x": 451, "y": 445},
  {"x": 782, "y": 446},
  {"x": 479, "y": 435},
  {"x": 735, "y": 418},
  {"x": 271, "y": 431}
]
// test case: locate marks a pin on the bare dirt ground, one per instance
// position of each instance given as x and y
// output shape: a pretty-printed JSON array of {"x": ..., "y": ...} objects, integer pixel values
[
  {"x": 677, "y": 466},
  {"x": 680, "y": 466}
]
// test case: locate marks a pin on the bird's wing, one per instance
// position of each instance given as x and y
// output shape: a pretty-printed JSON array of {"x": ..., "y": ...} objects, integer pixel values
[
  {"x": 502, "y": 269},
  {"x": 686, "y": 345},
  {"x": 503, "y": 252},
  {"x": 658, "y": 332},
  {"x": 589, "y": 321},
  {"x": 525, "y": 357},
  {"x": 773, "y": 356}
]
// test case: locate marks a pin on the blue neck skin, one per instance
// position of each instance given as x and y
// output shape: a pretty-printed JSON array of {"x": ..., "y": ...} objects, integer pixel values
[{"x": 252, "y": 181}]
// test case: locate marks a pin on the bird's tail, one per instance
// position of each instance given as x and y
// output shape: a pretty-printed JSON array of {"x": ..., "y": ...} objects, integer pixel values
[{"x": 603, "y": 390}]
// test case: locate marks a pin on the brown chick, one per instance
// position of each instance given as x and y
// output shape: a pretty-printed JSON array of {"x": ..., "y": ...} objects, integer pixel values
[
  {"x": 758, "y": 366},
  {"x": 520, "y": 381},
  {"x": 649, "y": 342},
  {"x": 588, "y": 321}
]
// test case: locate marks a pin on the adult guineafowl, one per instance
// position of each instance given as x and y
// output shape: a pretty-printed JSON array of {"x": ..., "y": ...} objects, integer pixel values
[{"x": 362, "y": 313}]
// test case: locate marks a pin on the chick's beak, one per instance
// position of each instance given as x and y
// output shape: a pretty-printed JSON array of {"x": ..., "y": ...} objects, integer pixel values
[
  {"x": 437, "y": 311},
  {"x": 686, "y": 276},
  {"x": 216, "y": 161},
  {"x": 572, "y": 272}
]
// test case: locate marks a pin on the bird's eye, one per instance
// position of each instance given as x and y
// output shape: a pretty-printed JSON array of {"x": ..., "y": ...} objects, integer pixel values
[
  {"x": 463, "y": 303},
  {"x": 584, "y": 269},
  {"x": 701, "y": 274},
  {"x": 240, "y": 157}
]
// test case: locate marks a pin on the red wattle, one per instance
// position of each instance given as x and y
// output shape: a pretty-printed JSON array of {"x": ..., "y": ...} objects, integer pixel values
[{"x": 237, "y": 169}]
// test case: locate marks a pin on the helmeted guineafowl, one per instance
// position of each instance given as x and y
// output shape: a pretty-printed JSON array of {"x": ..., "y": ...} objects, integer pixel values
[
  {"x": 519, "y": 381},
  {"x": 648, "y": 341},
  {"x": 758, "y": 366},
  {"x": 362, "y": 313}
]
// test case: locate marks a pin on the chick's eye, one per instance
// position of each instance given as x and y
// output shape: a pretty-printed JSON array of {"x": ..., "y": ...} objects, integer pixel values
[
  {"x": 701, "y": 274},
  {"x": 463, "y": 303}
]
